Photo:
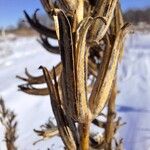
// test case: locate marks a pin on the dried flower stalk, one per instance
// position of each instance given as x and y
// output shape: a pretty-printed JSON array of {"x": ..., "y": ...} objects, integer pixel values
[
  {"x": 90, "y": 38},
  {"x": 7, "y": 119}
]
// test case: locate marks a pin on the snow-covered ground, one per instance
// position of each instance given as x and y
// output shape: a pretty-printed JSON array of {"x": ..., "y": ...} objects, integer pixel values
[
  {"x": 32, "y": 111},
  {"x": 133, "y": 102}
]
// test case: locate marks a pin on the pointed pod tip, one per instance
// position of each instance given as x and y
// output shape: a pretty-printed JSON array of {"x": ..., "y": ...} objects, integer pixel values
[
  {"x": 27, "y": 16},
  {"x": 44, "y": 69},
  {"x": 37, "y": 10},
  {"x": 103, "y": 19},
  {"x": 25, "y": 12},
  {"x": 20, "y": 87},
  {"x": 126, "y": 25},
  {"x": 41, "y": 67}
]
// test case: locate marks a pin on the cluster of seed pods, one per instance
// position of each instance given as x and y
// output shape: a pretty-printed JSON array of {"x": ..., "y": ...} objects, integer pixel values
[{"x": 90, "y": 35}]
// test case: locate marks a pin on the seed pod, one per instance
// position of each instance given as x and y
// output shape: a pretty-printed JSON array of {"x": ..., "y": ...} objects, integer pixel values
[{"x": 69, "y": 5}]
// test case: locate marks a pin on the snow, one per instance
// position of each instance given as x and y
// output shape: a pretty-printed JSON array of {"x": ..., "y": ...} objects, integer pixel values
[
  {"x": 133, "y": 101},
  {"x": 32, "y": 111}
]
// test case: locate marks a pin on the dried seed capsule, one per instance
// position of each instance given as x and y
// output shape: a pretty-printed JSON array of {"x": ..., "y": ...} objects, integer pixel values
[
  {"x": 92, "y": 2},
  {"x": 69, "y": 5}
]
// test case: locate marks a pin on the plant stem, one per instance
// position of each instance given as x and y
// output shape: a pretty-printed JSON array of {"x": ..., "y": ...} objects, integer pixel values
[
  {"x": 84, "y": 128},
  {"x": 80, "y": 11},
  {"x": 109, "y": 132}
]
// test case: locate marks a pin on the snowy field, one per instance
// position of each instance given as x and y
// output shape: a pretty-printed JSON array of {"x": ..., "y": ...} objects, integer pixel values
[{"x": 133, "y": 102}]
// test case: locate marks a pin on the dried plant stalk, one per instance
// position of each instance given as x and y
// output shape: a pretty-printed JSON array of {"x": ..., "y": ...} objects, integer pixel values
[
  {"x": 7, "y": 119},
  {"x": 90, "y": 36},
  {"x": 110, "y": 128}
]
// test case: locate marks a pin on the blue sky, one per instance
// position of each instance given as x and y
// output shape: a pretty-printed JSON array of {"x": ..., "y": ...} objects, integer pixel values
[{"x": 11, "y": 10}]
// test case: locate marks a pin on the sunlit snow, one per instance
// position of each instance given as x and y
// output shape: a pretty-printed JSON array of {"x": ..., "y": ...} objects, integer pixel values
[{"x": 133, "y": 101}]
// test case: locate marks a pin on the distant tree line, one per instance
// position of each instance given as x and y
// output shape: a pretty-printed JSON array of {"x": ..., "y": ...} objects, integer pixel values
[{"x": 136, "y": 16}]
